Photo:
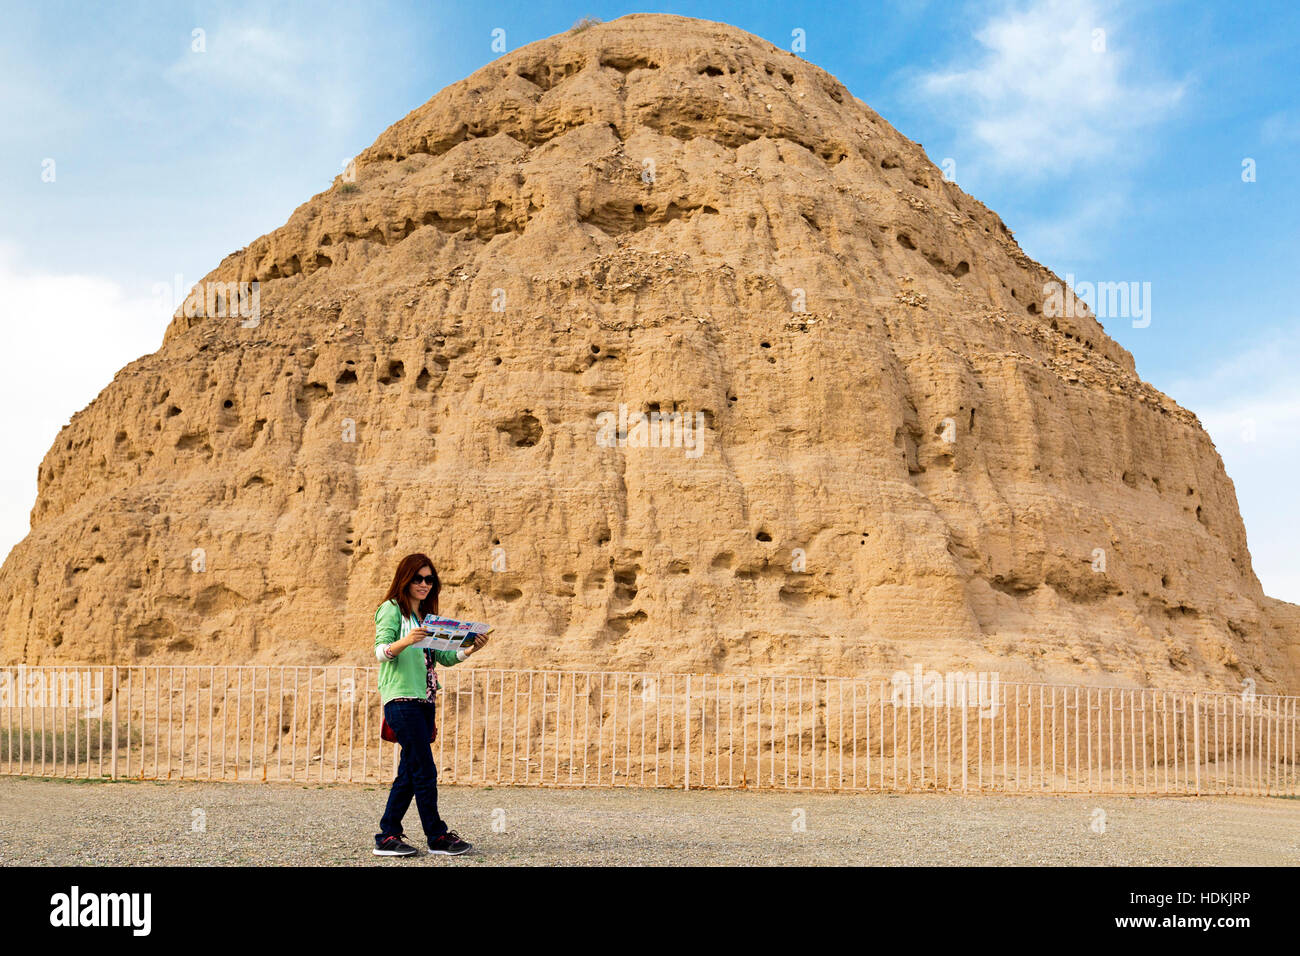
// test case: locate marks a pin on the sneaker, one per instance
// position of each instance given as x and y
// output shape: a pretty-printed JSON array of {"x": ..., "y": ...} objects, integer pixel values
[
  {"x": 394, "y": 846},
  {"x": 449, "y": 844}
]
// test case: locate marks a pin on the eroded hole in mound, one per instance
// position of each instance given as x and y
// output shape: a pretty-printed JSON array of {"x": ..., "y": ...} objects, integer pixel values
[
  {"x": 621, "y": 624},
  {"x": 794, "y": 595},
  {"x": 905, "y": 241},
  {"x": 547, "y": 75},
  {"x": 625, "y": 584},
  {"x": 346, "y": 377},
  {"x": 310, "y": 395},
  {"x": 395, "y": 371},
  {"x": 524, "y": 430},
  {"x": 763, "y": 536},
  {"x": 625, "y": 63},
  {"x": 710, "y": 71},
  {"x": 195, "y": 441},
  {"x": 1013, "y": 586},
  {"x": 961, "y": 269}
]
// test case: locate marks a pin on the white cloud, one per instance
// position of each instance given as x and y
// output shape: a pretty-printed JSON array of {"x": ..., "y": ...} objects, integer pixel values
[
  {"x": 1282, "y": 127},
  {"x": 293, "y": 67},
  {"x": 65, "y": 337},
  {"x": 1038, "y": 97},
  {"x": 1250, "y": 405}
]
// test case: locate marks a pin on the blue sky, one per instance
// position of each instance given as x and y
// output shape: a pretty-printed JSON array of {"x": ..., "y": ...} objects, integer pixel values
[{"x": 1118, "y": 163}]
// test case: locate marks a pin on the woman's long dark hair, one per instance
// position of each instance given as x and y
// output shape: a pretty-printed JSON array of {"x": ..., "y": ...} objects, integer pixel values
[{"x": 406, "y": 572}]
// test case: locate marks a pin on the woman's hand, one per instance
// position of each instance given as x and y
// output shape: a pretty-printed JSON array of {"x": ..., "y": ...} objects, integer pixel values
[
  {"x": 414, "y": 635},
  {"x": 479, "y": 642}
]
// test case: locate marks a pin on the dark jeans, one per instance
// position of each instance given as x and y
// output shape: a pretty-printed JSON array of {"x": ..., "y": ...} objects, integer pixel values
[{"x": 412, "y": 722}]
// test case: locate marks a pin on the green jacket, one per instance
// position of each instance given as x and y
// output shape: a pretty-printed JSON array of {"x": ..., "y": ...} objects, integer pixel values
[{"x": 407, "y": 674}]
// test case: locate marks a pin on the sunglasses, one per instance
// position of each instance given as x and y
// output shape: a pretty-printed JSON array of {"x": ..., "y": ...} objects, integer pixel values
[{"x": 424, "y": 579}]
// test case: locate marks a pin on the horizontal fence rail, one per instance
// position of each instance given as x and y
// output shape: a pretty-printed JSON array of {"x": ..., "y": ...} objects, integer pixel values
[{"x": 623, "y": 729}]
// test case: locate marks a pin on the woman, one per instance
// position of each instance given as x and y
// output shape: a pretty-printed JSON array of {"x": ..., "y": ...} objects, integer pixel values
[{"x": 406, "y": 688}]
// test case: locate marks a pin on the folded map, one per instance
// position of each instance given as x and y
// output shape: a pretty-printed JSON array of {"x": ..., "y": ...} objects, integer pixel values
[{"x": 448, "y": 634}]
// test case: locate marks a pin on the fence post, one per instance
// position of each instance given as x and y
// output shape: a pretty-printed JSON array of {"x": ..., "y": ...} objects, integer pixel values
[
  {"x": 687, "y": 780},
  {"x": 1196, "y": 738},
  {"x": 114, "y": 760},
  {"x": 965, "y": 775}
]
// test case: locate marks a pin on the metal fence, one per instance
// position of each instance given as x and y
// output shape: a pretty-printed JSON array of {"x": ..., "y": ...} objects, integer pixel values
[{"x": 620, "y": 729}]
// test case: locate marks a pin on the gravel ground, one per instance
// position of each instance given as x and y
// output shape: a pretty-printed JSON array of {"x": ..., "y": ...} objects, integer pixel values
[{"x": 207, "y": 824}]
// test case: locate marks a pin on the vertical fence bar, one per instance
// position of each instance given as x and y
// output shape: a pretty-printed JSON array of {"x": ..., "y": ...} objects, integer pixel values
[
  {"x": 365, "y": 732},
  {"x": 20, "y": 705},
  {"x": 1196, "y": 737},
  {"x": 472, "y": 682},
  {"x": 64, "y": 698},
  {"x": 893, "y": 729},
  {"x": 1186, "y": 779},
  {"x": 965, "y": 757},
  {"x": 113, "y": 758},
  {"x": 293, "y": 729},
  {"x": 184, "y": 706},
  {"x": 528, "y": 731},
  {"x": 717, "y": 727},
  {"x": 239, "y": 704},
  {"x": 704, "y": 717},
  {"x": 1042, "y": 748},
  {"x": 1143, "y": 704},
  {"x": 686, "y": 785}
]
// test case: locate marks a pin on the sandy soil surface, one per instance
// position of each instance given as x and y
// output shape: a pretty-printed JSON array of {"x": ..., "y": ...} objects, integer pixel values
[{"x": 207, "y": 824}]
